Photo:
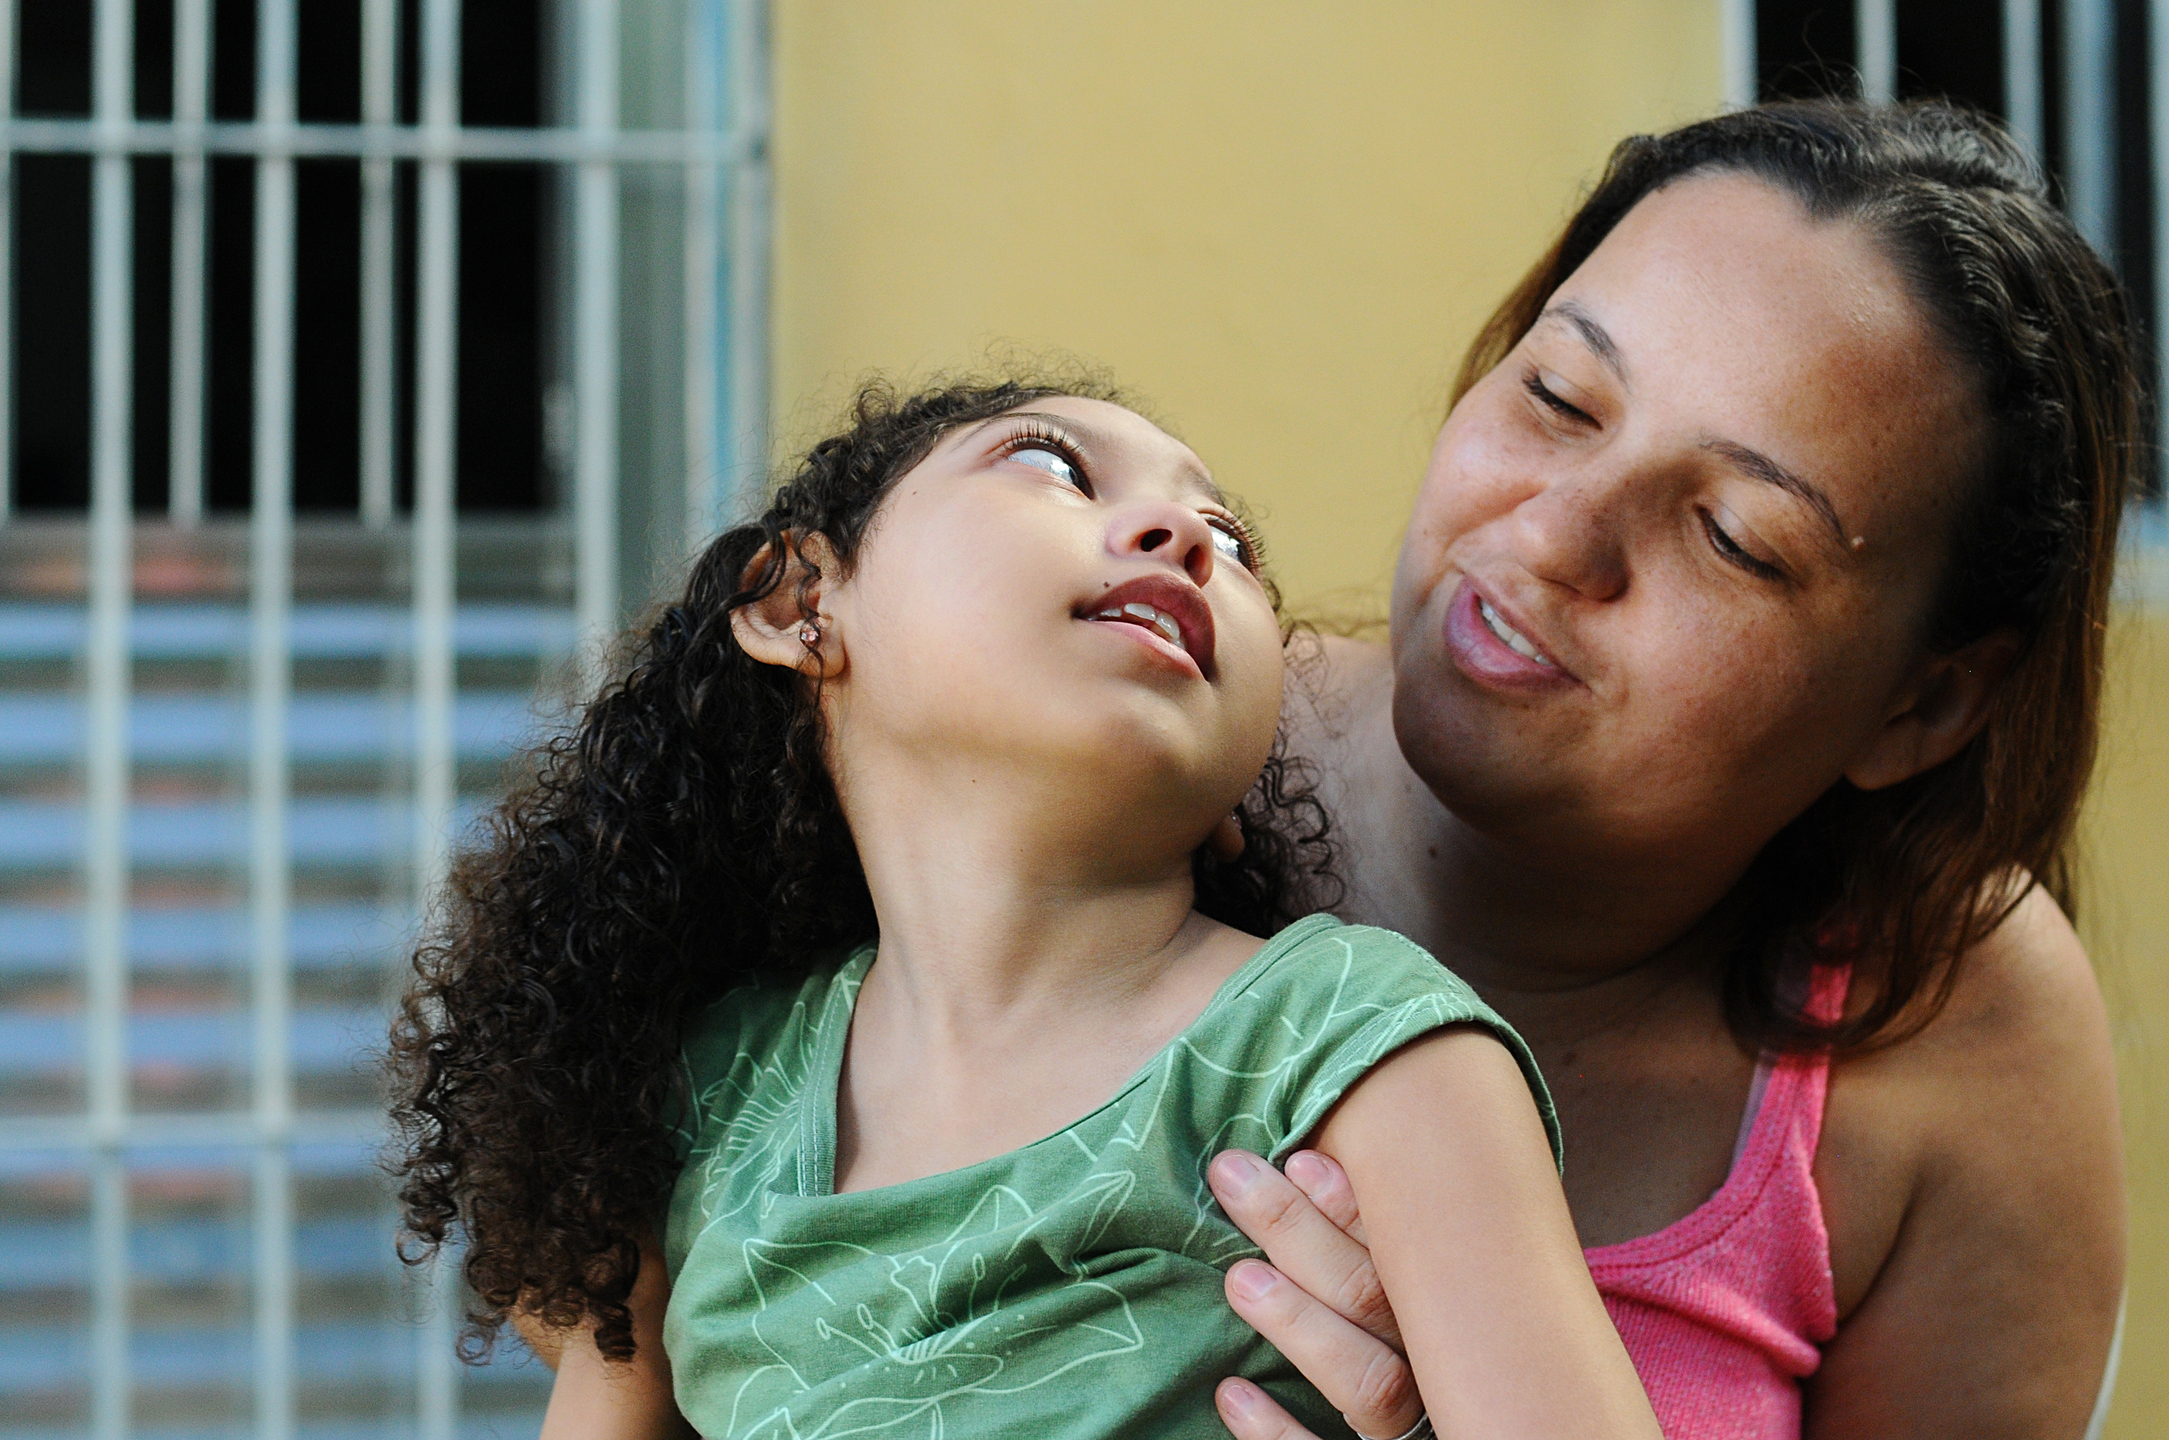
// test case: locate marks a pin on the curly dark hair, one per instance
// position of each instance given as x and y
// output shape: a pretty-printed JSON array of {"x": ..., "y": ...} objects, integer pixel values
[{"x": 681, "y": 840}]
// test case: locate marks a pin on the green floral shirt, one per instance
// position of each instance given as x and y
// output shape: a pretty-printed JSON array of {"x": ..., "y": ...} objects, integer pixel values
[{"x": 1069, "y": 1289}]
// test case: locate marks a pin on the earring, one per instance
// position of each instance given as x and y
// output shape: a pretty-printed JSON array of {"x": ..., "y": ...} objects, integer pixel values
[
  {"x": 809, "y": 636},
  {"x": 1226, "y": 841}
]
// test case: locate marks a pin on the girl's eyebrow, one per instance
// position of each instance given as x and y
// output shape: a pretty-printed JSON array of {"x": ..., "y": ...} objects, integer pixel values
[{"x": 1090, "y": 438}]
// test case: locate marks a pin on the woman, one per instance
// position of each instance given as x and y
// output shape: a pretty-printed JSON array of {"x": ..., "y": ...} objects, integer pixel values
[{"x": 1745, "y": 659}]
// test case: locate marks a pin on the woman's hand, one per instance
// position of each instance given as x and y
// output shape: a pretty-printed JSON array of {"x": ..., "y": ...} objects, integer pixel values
[{"x": 1345, "y": 1343}]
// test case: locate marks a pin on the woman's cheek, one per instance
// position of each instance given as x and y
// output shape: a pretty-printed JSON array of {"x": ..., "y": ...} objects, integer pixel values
[
  {"x": 1443, "y": 517},
  {"x": 1756, "y": 702}
]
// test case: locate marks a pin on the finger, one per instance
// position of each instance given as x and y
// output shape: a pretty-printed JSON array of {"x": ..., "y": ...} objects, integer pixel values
[
  {"x": 1321, "y": 1177},
  {"x": 1299, "y": 1239},
  {"x": 1251, "y": 1414},
  {"x": 1360, "y": 1375}
]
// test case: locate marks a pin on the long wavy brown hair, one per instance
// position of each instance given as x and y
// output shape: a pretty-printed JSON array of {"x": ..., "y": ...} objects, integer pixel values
[
  {"x": 681, "y": 840},
  {"x": 1902, "y": 882}
]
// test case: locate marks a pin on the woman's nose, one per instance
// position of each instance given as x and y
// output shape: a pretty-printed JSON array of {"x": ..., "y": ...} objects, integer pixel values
[
  {"x": 1164, "y": 530},
  {"x": 1572, "y": 533}
]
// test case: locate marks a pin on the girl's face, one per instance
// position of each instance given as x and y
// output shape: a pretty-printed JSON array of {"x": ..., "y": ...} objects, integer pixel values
[
  {"x": 1061, "y": 592},
  {"x": 1670, "y": 571}
]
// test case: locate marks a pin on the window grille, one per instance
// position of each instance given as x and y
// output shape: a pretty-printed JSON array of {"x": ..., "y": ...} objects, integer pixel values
[{"x": 258, "y": 667}]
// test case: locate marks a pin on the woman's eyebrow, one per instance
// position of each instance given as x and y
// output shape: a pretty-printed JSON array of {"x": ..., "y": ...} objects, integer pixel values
[
  {"x": 1761, "y": 467},
  {"x": 1595, "y": 336}
]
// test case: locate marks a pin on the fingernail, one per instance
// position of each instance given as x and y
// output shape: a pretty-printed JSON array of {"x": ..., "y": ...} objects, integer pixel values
[
  {"x": 1235, "y": 1170},
  {"x": 1239, "y": 1396},
  {"x": 1306, "y": 1169},
  {"x": 1253, "y": 1279}
]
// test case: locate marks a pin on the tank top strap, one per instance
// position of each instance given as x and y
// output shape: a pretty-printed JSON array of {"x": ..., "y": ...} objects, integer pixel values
[
  {"x": 1828, "y": 986},
  {"x": 1724, "y": 1311},
  {"x": 1807, "y": 1076}
]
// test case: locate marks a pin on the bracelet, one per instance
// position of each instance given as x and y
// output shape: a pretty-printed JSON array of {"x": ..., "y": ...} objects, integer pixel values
[{"x": 1417, "y": 1431}]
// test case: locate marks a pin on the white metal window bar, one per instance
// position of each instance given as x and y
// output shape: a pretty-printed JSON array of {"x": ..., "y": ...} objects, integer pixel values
[
  {"x": 2022, "y": 106},
  {"x": 721, "y": 148},
  {"x": 2089, "y": 105},
  {"x": 1736, "y": 43},
  {"x": 1875, "y": 32}
]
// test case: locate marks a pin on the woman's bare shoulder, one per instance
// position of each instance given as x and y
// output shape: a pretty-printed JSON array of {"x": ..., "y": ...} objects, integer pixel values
[
  {"x": 1330, "y": 677},
  {"x": 2026, "y": 1010},
  {"x": 1354, "y": 656},
  {"x": 1972, "y": 1185},
  {"x": 1992, "y": 1126}
]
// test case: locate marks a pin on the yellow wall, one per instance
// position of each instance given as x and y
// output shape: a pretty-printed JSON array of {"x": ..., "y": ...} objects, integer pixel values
[
  {"x": 2124, "y": 916},
  {"x": 1279, "y": 223}
]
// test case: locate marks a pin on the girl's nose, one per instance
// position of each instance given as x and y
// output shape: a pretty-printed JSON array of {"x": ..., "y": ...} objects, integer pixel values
[
  {"x": 1164, "y": 530},
  {"x": 1571, "y": 532}
]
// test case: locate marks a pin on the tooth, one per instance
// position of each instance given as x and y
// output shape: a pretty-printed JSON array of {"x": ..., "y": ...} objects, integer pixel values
[
  {"x": 1513, "y": 638},
  {"x": 1168, "y": 629}
]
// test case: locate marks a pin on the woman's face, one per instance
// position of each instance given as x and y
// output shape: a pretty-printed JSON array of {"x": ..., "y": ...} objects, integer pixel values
[
  {"x": 1670, "y": 570},
  {"x": 1062, "y": 592}
]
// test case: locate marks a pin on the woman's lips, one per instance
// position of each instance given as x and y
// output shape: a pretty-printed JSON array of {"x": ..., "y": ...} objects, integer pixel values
[{"x": 1481, "y": 652}]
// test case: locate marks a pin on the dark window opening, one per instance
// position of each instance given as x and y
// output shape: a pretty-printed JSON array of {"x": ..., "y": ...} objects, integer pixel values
[
  {"x": 52, "y": 58},
  {"x": 1804, "y": 48},
  {"x": 504, "y": 215},
  {"x": 52, "y": 332}
]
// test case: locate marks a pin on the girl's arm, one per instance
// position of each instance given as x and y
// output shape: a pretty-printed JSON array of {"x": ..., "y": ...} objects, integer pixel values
[
  {"x": 1468, "y": 1230},
  {"x": 598, "y": 1399}
]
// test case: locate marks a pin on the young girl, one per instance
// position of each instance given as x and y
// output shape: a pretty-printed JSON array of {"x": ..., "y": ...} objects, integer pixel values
[{"x": 943, "y": 809}]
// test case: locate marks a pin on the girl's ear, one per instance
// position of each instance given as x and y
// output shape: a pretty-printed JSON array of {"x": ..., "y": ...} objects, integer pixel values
[{"x": 787, "y": 626}]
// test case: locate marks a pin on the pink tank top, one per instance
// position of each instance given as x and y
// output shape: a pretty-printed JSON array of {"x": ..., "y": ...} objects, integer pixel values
[{"x": 1727, "y": 1309}]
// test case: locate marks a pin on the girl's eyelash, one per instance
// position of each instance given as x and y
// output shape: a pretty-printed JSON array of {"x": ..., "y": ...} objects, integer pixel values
[
  {"x": 1036, "y": 434},
  {"x": 1534, "y": 384},
  {"x": 1039, "y": 435},
  {"x": 1253, "y": 551},
  {"x": 1737, "y": 553}
]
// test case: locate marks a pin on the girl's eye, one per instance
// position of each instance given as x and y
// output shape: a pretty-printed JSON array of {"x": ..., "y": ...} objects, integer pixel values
[
  {"x": 1231, "y": 543},
  {"x": 1054, "y": 462},
  {"x": 1738, "y": 554}
]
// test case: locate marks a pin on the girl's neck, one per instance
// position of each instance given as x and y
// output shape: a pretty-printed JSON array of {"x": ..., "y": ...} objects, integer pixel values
[
  {"x": 998, "y": 901},
  {"x": 1024, "y": 972}
]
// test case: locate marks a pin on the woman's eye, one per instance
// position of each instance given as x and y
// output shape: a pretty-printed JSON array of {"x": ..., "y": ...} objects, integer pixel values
[
  {"x": 1039, "y": 457},
  {"x": 1550, "y": 399},
  {"x": 1723, "y": 543}
]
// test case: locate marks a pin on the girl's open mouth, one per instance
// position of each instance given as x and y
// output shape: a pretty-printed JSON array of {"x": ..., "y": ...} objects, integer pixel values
[{"x": 1172, "y": 615}]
